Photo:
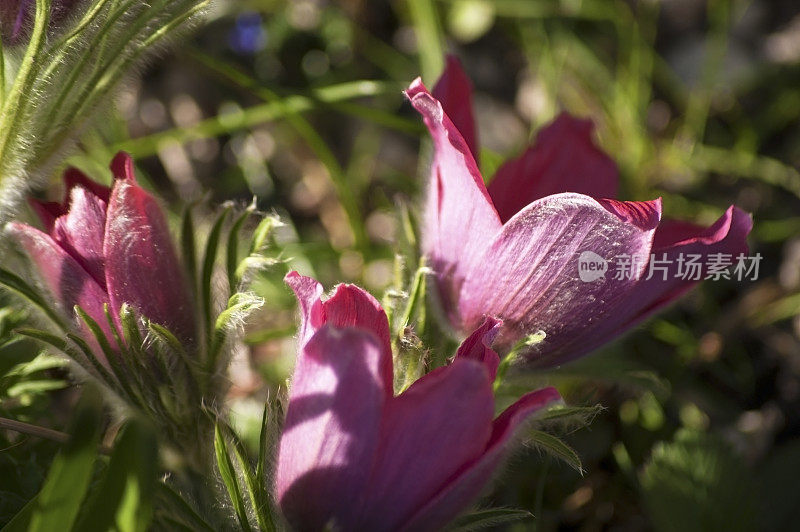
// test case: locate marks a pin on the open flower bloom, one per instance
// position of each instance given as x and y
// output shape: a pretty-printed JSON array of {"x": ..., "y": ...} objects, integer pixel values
[
  {"x": 512, "y": 251},
  {"x": 355, "y": 457},
  {"x": 109, "y": 246}
]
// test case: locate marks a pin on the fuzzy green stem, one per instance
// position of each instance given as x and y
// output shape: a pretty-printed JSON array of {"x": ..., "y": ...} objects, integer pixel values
[{"x": 15, "y": 104}]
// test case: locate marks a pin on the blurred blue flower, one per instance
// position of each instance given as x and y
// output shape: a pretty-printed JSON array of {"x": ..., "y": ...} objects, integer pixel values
[{"x": 248, "y": 36}]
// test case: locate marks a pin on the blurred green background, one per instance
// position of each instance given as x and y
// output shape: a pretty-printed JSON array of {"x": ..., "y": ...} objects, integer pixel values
[{"x": 299, "y": 104}]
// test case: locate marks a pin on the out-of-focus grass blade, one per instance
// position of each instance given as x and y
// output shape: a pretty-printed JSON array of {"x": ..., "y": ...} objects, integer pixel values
[
  {"x": 228, "y": 474},
  {"x": 492, "y": 517},
  {"x": 61, "y": 496},
  {"x": 123, "y": 500},
  {"x": 256, "y": 115},
  {"x": 430, "y": 42},
  {"x": 555, "y": 447}
]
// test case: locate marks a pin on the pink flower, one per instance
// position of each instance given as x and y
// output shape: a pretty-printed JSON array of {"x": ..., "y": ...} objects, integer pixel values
[
  {"x": 353, "y": 456},
  {"x": 109, "y": 246},
  {"x": 511, "y": 251}
]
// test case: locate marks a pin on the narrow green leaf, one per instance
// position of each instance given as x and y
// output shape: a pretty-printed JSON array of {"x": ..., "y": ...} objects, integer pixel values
[
  {"x": 228, "y": 474},
  {"x": 188, "y": 247},
  {"x": 17, "y": 284},
  {"x": 208, "y": 268},
  {"x": 489, "y": 518},
  {"x": 555, "y": 447},
  {"x": 68, "y": 479},
  {"x": 259, "y": 498},
  {"x": 172, "y": 502},
  {"x": 123, "y": 499},
  {"x": 232, "y": 250}
]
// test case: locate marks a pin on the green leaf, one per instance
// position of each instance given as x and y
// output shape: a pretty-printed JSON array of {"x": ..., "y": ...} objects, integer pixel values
[
  {"x": 489, "y": 518},
  {"x": 188, "y": 247},
  {"x": 256, "y": 488},
  {"x": 209, "y": 258},
  {"x": 696, "y": 483},
  {"x": 61, "y": 496},
  {"x": 239, "y": 305},
  {"x": 228, "y": 474},
  {"x": 232, "y": 249},
  {"x": 179, "y": 511},
  {"x": 18, "y": 285},
  {"x": 123, "y": 499},
  {"x": 555, "y": 447}
]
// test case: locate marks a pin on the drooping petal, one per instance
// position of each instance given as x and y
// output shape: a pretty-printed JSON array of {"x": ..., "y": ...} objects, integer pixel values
[
  {"x": 81, "y": 231},
  {"x": 529, "y": 276},
  {"x": 467, "y": 485},
  {"x": 454, "y": 91},
  {"x": 564, "y": 158},
  {"x": 477, "y": 346},
  {"x": 459, "y": 217},
  {"x": 675, "y": 242},
  {"x": 69, "y": 282},
  {"x": 331, "y": 430},
  {"x": 349, "y": 306},
  {"x": 429, "y": 432},
  {"x": 142, "y": 268}
]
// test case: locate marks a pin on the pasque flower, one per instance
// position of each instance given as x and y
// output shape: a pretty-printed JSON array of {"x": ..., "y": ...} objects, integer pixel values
[
  {"x": 109, "y": 246},
  {"x": 511, "y": 251},
  {"x": 353, "y": 456}
]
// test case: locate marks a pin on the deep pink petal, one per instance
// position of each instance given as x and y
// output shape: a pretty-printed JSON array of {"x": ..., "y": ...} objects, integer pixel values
[
  {"x": 349, "y": 306},
  {"x": 142, "y": 268},
  {"x": 75, "y": 178},
  {"x": 331, "y": 430},
  {"x": 459, "y": 217},
  {"x": 728, "y": 235},
  {"x": 454, "y": 91},
  {"x": 429, "y": 432},
  {"x": 47, "y": 211},
  {"x": 477, "y": 346},
  {"x": 529, "y": 275},
  {"x": 464, "y": 488},
  {"x": 564, "y": 158},
  {"x": 68, "y": 281},
  {"x": 80, "y": 232}
]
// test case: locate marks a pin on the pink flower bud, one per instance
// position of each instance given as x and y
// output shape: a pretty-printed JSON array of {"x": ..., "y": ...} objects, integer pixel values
[{"x": 109, "y": 246}]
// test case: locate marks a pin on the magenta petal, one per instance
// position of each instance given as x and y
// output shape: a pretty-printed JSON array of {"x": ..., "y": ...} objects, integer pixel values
[
  {"x": 349, "y": 306},
  {"x": 81, "y": 231},
  {"x": 429, "y": 432},
  {"x": 69, "y": 282},
  {"x": 727, "y": 235},
  {"x": 471, "y": 480},
  {"x": 563, "y": 159},
  {"x": 454, "y": 91},
  {"x": 529, "y": 274},
  {"x": 142, "y": 268},
  {"x": 75, "y": 178},
  {"x": 47, "y": 211},
  {"x": 459, "y": 217},
  {"x": 477, "y": 346},
  {"x": 331, "y": 430}
]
